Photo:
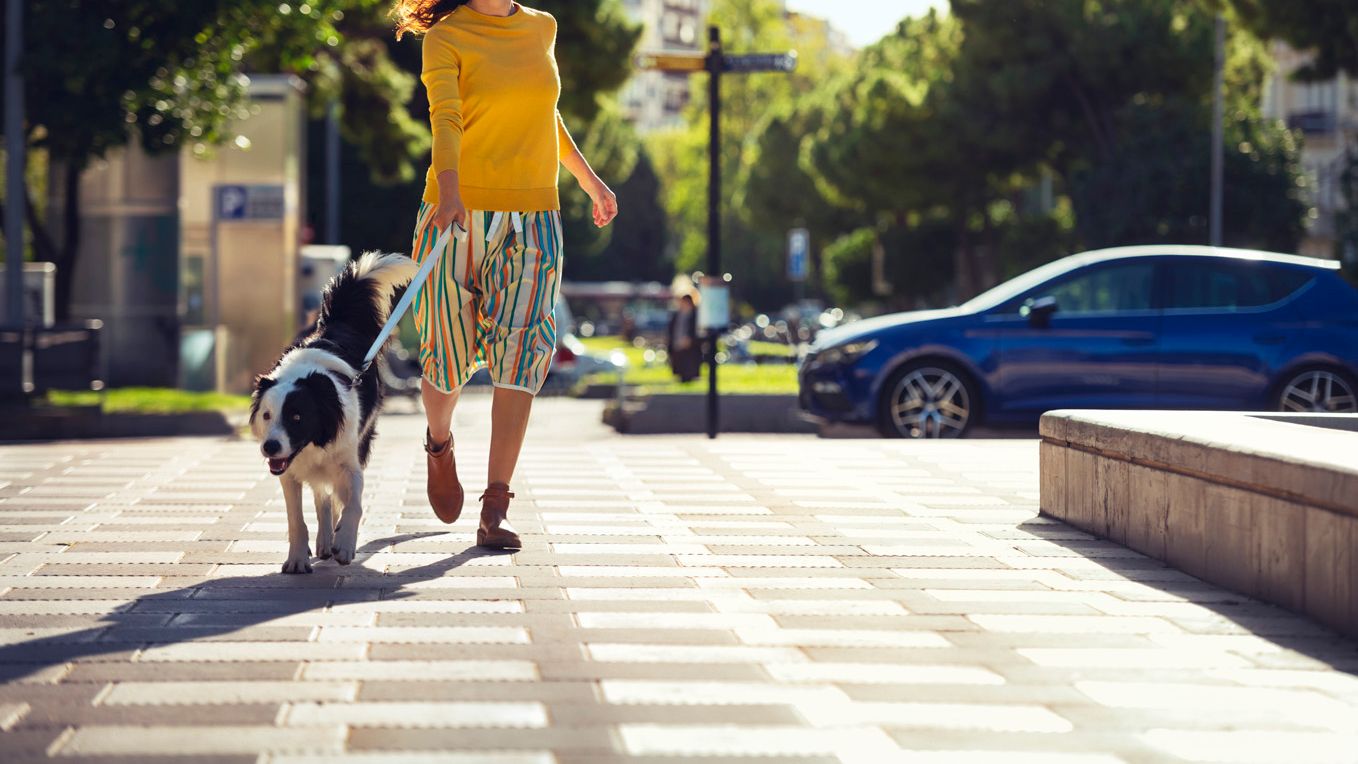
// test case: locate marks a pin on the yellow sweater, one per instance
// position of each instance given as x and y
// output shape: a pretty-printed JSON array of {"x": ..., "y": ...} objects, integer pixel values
[{"x": 493, "y": 87}]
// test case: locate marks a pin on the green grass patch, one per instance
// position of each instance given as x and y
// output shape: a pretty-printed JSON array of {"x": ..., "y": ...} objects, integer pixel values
[
  {"x": 735, "y": 379},
  {"x": 760, "y": 347},
  {"x": 149, "y": 400},
  {"x": 604, "y": 346}
]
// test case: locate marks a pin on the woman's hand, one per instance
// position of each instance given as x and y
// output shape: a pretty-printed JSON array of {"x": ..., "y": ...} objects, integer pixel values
[
  {"x": 450, "y": 211},
  {"x": 605, "y": 203},
  {"x": 450, "y": 208}
]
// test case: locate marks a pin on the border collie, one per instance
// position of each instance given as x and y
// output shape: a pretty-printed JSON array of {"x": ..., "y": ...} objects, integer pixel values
[{"x": 315, "y": 424}]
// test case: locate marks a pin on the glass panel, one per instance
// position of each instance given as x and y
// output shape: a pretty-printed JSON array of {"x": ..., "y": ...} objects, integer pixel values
[
  {"x": 1230, "y": 286},
  {"x": 1104, "y": 290}
]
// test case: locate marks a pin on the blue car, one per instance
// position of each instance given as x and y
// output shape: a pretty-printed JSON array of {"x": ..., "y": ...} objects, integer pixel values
[{"x": 1154, "y": 327}]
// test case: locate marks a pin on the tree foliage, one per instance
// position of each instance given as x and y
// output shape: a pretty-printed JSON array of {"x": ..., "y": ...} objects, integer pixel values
[
  {"x": 958, "y": 119},
  {"x": 165, "y": 74},
  {"x": 765, "y": 192}
]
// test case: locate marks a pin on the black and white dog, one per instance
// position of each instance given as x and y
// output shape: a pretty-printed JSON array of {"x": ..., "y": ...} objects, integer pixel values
[{"x": 315, "y": 423}]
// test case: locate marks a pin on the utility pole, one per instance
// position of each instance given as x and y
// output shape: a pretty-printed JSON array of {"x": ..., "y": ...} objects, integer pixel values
[
  {"x": 15, "y": 155},
  {"x": 1214, "y": 233},
  {"x": 715, "y": 63},
  {"x": 714, "y": 68}
]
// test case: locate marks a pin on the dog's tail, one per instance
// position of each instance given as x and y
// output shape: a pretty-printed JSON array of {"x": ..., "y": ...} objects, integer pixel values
[
  {"x": 360, "y": 297},
  {"x": 386, "y": 274}
]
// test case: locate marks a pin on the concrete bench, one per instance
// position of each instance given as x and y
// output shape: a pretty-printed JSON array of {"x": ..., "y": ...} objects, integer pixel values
[{"x": 1266, "y": 504}]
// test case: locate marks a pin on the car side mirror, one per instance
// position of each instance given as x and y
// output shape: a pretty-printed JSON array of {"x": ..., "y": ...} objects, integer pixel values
[{"x": 1039, "y": 311}]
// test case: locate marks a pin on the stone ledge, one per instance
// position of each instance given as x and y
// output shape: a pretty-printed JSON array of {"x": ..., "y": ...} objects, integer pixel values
[
  {"x": 1264, "y": 504},
  {"x": 678, "y": 413}
]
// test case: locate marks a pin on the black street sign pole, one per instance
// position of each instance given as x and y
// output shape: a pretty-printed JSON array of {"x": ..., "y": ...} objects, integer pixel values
[
  {"x": 714, "y": 63},
  {"x": 714, "y": 68}
]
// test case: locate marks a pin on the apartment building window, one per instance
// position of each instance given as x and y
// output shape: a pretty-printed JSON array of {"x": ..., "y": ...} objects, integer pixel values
[
  {"x": 1315, "y": 107},
  {"x": 1320, "y": 96}
]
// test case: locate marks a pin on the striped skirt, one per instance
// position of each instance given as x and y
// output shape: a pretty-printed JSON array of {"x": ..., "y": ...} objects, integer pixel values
[{"x": 489, "y": 301}]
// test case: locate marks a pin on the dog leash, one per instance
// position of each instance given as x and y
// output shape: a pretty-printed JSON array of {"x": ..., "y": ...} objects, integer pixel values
[{"x": 403, "y": 305}]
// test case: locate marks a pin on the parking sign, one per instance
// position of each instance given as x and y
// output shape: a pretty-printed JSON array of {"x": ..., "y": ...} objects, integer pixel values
[
  {"x": 798, "y": 253},
  {"x": 250, "y": 202}
]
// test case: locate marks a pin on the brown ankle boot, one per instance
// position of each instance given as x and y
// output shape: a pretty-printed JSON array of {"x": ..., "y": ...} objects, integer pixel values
[
  {"x": 445, "y": 492},
  {"x": 495, "y": 531}
]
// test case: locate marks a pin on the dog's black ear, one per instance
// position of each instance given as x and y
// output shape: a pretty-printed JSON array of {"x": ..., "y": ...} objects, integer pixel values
[
  {"x": 262, "y": 384},
  {"x": 329, "y": 412}
]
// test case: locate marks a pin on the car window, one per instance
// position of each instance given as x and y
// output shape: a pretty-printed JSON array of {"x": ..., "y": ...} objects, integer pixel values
[
  {"x": 1103, "y": 289},
  {"x": 1229, "y": 286}
]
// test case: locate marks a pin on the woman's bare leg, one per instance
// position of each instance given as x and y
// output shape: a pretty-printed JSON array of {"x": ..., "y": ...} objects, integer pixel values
[
  {"x": 438, "y": 409},
  {"x": 509, "y": 410}
]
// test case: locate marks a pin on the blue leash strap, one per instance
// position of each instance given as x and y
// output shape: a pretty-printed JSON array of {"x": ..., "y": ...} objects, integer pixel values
[{"x": 416, "y": 284}]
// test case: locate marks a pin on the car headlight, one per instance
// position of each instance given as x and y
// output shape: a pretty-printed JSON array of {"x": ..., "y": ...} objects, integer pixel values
[{"x": 846, "y": 353}]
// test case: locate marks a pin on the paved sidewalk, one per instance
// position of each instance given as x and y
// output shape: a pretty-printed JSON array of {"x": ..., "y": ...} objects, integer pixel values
[{"x": 789, "y": 598}]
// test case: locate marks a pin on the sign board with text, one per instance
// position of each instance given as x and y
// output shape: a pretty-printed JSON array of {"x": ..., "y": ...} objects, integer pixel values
[
  {"x": 248, "y": 202},
  {"x": 714, "y": 305},
  {"x": 798, "y": 253}
]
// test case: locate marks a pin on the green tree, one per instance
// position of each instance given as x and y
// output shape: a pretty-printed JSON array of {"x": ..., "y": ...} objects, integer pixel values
[
  {"x": 1116, "y": 95},
  {"x": 912, "y": 139},
  {"x": 754, "y": 221},
  {"x": 1346, "y": 218},
  {"x": 161, "y": 73},
  {"x": 1153, "y": 190}
]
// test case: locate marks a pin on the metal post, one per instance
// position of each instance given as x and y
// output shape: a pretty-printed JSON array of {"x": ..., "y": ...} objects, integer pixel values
[
  {"x": 15, "y": 148},
  {"x": 714, "y": 66},
  {"x": 332, "y": 174},
  {"x": 1214, "y": 233}
]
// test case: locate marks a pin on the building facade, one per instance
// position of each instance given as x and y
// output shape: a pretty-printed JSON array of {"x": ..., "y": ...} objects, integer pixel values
[
  {"x": 1326, "y": 113},
  {"x": 656, "y": 100}
]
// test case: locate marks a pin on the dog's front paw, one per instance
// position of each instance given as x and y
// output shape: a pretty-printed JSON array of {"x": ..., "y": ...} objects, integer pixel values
[
  {"x": 343, "y": 550},
  {"x": 298, "y": 562},
  {"x": 342, "y": 554},
  {"x": 325, "y": 545}
]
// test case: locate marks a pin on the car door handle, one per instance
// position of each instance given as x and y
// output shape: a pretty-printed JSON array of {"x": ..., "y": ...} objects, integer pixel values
[
  {"x": 1269, "y": 339},
  {"x": 1138, "y": 341}
]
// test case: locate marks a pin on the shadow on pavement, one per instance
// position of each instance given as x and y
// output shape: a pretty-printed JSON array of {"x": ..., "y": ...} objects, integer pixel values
[
  {"x": 1243, "y": 615},
  {"x": 128, "y": 630}
]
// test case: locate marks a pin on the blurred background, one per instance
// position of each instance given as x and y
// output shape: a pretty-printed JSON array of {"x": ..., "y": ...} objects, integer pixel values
[{"x": 195, "y": 172}]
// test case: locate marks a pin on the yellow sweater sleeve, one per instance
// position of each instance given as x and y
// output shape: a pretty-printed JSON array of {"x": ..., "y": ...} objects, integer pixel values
[
  {"x": 565, "y": 145},
  {"x": 439, "y": 69}
]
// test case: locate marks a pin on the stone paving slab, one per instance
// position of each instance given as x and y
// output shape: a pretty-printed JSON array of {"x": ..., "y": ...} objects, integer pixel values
[{"x": 754, "y": 598}]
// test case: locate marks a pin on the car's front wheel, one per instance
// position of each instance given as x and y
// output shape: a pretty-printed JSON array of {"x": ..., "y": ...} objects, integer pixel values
[
  {"x": 928, "y": 399},
  {"x": 1317, "y": 390}
]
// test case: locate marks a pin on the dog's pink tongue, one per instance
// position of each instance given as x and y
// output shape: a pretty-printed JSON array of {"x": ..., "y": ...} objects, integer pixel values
[{"x": 277, "y": 464}]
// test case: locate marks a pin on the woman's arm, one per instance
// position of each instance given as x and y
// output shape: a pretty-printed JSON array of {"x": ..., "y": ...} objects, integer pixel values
[
  {"x": 439, "y": 70},
  {"x": 605, "y": 203}
]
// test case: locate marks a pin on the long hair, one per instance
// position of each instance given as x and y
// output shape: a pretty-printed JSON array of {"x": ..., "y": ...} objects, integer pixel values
[{"x": 418, "y": 15}]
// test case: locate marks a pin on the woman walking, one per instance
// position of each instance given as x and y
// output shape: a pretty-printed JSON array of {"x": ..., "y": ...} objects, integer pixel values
[{"x": 489, "y": 67}]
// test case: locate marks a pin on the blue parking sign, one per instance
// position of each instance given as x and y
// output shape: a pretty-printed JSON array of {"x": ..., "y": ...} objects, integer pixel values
[
  {"x": 249, "y": 202},
  {"x": 798, "y": 253},
  {"x": 231, "y": 202}
]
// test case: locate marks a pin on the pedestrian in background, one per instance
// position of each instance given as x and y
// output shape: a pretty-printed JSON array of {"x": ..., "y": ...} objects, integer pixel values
[
  {"x": 682, "y": 341},
  {"x": 490, "y": 70}
]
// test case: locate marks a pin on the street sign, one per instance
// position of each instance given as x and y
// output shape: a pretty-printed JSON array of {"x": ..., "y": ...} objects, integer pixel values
[
  {"x": 714, "y": 304},
  {"x": 714, "y": 311},
  {"x": 673, "y": 61},
  {"x": 254, "y": 202},
  {"x": 760, "y": 62},
  {"x": 798, "y": 253}
]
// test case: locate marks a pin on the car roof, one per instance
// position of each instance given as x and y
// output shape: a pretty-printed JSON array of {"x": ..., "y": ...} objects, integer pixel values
[{"x": 1197, "y": 250}]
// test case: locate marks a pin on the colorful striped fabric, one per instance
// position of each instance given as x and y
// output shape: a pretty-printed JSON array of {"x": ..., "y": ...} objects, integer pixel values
[{"x": 489, "y": 301}]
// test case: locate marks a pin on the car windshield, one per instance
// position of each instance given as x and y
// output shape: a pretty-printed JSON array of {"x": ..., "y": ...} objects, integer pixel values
[{"x": 1016, "y": 286}]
